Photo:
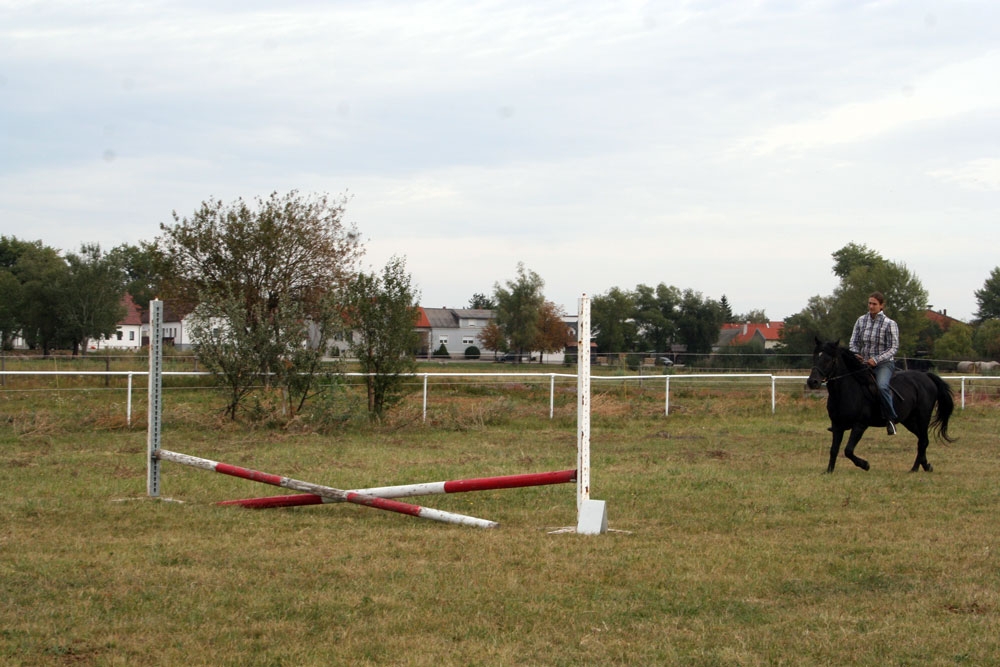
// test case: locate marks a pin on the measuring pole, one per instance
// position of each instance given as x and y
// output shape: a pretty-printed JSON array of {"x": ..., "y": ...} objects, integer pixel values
[{"x": 155, "y": 416}]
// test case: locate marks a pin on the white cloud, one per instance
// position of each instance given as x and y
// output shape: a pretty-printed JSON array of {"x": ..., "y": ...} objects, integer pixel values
[{"x": 982, "y": 175}]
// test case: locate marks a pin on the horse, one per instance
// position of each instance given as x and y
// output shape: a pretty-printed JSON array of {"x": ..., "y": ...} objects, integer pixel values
[{"x": 853, "y": 402}]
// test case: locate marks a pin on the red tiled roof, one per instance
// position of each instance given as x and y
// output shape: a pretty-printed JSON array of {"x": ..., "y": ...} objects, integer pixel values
[{"x": 769, "y": 331}]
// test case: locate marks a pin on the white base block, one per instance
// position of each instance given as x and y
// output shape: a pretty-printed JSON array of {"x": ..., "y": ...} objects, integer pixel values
[{"x": 593, "y": 518}]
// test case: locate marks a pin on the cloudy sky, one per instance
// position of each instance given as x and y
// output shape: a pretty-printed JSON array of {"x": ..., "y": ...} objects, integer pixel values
[{"x": 725, "y": 146}]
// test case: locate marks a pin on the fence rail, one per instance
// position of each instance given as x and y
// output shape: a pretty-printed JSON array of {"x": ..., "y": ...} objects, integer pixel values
[{"x": 551, "y": 378}]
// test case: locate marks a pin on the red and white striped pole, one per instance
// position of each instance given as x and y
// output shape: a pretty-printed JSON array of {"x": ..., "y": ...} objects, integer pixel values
[
  {"x": 409, "y": 490},
  {"x": 324, "y": 491}
]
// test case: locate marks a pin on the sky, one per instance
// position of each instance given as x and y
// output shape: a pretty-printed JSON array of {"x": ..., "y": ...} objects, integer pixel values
[{"x": 728, "y": 147}]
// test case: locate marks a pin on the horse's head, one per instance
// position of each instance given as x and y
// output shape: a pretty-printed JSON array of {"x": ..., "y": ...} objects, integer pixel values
[{"x": 825, "y": 357}]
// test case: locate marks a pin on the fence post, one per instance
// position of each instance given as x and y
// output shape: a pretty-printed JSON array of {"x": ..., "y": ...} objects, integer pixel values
[
  {"x": 425, "y": 397},
  {"x": 666, "y": 401},
  {"x": 552, "y": 395}
]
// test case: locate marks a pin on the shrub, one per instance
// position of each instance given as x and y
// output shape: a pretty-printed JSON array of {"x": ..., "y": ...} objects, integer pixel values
[
  {"x": 442, "y": 352},
  {"x": 472, "y": 352}
]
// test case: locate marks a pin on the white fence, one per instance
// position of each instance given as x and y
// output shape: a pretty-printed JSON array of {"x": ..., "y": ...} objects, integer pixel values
[{"x": 551, "y": 378}]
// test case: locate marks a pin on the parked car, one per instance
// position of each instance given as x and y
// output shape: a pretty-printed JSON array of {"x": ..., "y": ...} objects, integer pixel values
[{"x": 514, "y": 358}]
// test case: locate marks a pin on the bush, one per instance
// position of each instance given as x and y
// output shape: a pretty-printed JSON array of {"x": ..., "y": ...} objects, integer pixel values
[
  {"x": 442, "y": 352},
  {"x": 472, "y": 352}
]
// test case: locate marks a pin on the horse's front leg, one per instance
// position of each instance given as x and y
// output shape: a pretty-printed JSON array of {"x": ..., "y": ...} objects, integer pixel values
[
  {"x": 838, "y": 437},
  {"x": 856, "y": 434}
]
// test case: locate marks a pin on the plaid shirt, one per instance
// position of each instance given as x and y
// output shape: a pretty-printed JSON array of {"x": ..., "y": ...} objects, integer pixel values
[{"x": 875, "y": 338}]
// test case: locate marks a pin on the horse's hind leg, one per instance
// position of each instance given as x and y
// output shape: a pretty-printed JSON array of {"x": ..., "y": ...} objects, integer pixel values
[{"x": 921, "y": 460}]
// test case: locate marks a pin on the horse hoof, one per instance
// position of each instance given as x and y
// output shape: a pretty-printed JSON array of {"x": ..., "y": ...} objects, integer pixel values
[
  {"x": 929, "y": 468},
  {"x": 864, "y": 465}
]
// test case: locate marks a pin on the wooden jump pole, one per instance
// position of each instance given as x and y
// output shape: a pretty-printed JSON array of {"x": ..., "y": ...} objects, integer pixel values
[
  {"x": 410, "y": 490},
  {"x": 336, "y": 495}
]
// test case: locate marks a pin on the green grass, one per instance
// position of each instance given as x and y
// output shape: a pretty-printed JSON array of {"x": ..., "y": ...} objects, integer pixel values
[{"x": 729, "y": 547}]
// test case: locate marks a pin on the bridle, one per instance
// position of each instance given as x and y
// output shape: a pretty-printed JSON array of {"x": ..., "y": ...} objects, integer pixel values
[{"x": 827, "y": 379}]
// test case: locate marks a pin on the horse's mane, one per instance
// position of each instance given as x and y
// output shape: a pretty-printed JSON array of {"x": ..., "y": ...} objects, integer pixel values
[{"x": 848, "y": 358}]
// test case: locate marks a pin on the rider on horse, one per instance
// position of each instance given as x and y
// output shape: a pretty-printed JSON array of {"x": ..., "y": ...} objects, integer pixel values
[{"x": 875, "y": 342}]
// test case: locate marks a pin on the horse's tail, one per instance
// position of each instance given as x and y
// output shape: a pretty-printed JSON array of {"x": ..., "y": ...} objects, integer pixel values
[{"x": 945, "y": 406}]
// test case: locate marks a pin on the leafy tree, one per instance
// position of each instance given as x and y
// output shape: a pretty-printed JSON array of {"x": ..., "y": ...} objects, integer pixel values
[
  {"x": 11, "y": 299},
  {"x": 553, "y": 334},
  {"x": 281, "y": 261},
  {"x": 955, "y": 343},
  {"x": 230, "y": 347},
  {"x": 612, "y": 321},
  {"x": 853, "y": 256},
  {"x": 699, "y": 322},
  {"x": 492, "y": 337},
  {"x": 381, "y": 312},
  {"x": 43, "y": 275},
  {"x": 987, "y": 339},
  {"x": 518, "y": 310},
  {"x": 92, "y": 297},
  {"x": 144, "y": 267},
  {"x": 656, "y": 313},
  {"x": 756, "y": 316},
  {"x": 988, "y": 297},
  {"x": 482, "y": 302},
  {"x": 799, "y": 334}
]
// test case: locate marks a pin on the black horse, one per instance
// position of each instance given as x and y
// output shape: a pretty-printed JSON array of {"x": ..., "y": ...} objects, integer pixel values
[{"x": 853, "y": 403}]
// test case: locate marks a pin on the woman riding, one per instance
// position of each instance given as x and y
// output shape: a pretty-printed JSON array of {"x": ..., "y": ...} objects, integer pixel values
[{"x": 875, "y": 341}]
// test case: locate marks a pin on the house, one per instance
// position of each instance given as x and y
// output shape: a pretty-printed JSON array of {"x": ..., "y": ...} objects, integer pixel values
[
  {"x": 455, "y": 328},
  {"x": 767, "y": 334},
  {"x": 129, "y": 332}
]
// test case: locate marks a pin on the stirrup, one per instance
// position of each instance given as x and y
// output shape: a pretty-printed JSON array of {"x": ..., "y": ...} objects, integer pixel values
[{"x": 890, "y": 428}]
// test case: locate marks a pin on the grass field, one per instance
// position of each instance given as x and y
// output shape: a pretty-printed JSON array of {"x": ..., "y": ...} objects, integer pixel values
[{"x": 728, "y": 545}]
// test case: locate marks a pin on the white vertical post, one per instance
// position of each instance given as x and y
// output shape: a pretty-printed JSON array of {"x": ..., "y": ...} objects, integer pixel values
[
  {"x": 155, "y": 409},
  {"x": 666, "y": 400},
  {"x": 773, "y": 397},
  {"x": 591, "y": 515},
  {"x": 425, "y": 397},
  {"x": 128, "y": 401},
  {"x": 552, "y": 395},
  {"x": 583, "y": 403}
]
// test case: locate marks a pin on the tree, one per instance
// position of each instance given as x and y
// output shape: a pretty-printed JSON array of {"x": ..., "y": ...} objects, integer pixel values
[
  {"x": 853, "y": 256},
  {"x": 492, "y": 337},
  {"x": 260, "y": 275},
  {"x": 956, "y": 343},
  {"x": 799, "y": 334},
  {"x": 43, "y": 275},
  {"x": 727, "y": 310},
  {"x": 553, "y": 334},
  {"x": 699, "y": 322},
  {"x": 92, "y": 297},
  {"x": 656, "y": 313},
  {"x": 381, "y": 313},
  {"x": 756, "y": 316},
  {"x": 519, "y": 306},
  {"x": 482, "y": 302},
  {"x": 988, "y": 297},
  {"x": 987, "y": 339},
  {"x": 144, "y": 267},
  {"x": 612, "y": 319}
]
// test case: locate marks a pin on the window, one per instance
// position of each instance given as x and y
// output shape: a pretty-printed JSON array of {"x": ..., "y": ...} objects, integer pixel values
[
  {"x": 443, "y": 340},
  {"x": 131, "y": 335},
  {"x": 118, "y": 334},
  {"x": 468, "y": 340}
]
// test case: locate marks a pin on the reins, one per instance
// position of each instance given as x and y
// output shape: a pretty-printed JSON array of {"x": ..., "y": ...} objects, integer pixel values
[{"x": 828, "y": 380}]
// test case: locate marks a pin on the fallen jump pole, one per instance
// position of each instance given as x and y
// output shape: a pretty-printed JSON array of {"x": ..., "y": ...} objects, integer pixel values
[
  {"x": 409, "y": 490},
  {"x": 324, "y": 491}
]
